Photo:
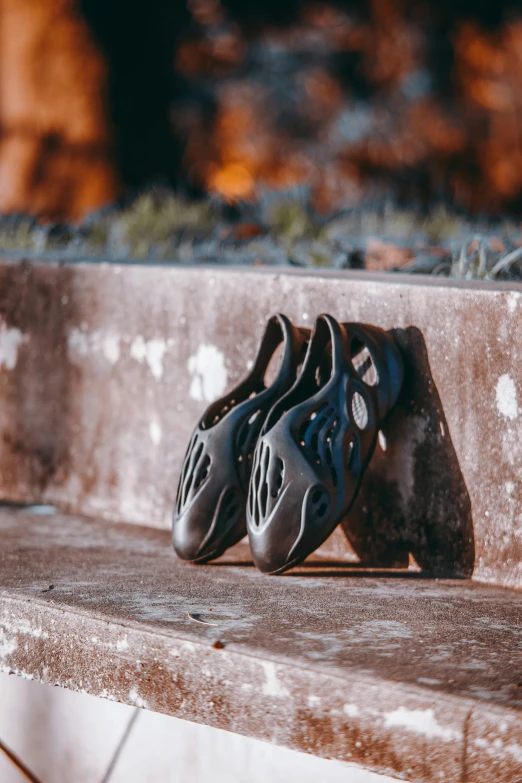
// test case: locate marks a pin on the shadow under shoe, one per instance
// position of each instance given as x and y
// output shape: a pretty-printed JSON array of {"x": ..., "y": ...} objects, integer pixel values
[
  {"x": 209, "y": 514},
  {"x": 318, "y": 440}
]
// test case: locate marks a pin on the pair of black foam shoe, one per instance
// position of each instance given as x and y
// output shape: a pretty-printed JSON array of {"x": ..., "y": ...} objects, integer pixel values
[{"x": 284, "y": 462}]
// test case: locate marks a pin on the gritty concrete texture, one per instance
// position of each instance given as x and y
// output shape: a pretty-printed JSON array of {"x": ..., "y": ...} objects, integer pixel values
[
  {"x": 105, "y": 368},
  {"x": 64, "y": 736},
  {"x": 409, "y": 677}
]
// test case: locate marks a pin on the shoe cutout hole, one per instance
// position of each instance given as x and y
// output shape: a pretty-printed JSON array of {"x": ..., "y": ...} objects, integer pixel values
[
  {"x": 319, "y": 503},
  {"x": 203, "y": 472},
  {"x": 359, "y": 411},
  {"x": 277, "y": 477},
  {"x": 273, "y": 366},
  {"x": 363, "y": 363},
  {"x": 307, "y": 424},
  {"x": 316, "y": 496},
  {"x": 231, "y": 514},
  {"x": 255, "y": 489},
  {"x": 245, "y": 443},
  {"x": 263, "y": 493},
  {"x": 182, "y": 482},
  {"x": 251, "y": 494},
  {"x": 186, "y": 489},
  {"x": 191, "y": 473}
]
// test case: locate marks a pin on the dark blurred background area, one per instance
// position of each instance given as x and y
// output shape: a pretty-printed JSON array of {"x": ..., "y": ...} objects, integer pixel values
[{"x": 418, "y": 101}]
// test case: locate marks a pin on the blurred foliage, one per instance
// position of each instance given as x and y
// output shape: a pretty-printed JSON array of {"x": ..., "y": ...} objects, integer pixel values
[
  {"x": 151, "y": 223},
  {"x": 279, "y": 229}
]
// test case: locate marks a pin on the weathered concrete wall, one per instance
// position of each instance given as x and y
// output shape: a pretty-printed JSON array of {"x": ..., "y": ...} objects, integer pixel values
[{"x": 105, "y": 368}]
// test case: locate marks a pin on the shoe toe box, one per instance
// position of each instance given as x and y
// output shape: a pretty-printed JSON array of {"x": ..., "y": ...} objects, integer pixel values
[{"x": 213, "y": 521}]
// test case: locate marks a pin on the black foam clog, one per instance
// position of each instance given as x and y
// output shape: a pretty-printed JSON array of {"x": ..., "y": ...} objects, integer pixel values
[
  {"x": 318, "y": 440},
  {"x": 209, "y": 514}
]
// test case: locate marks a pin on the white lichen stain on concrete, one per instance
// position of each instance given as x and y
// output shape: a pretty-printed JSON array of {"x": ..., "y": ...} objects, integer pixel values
[
  {"x": 83, "y": 343},
  {"x": 506, "y": 392},
  {"x": 351, "y": 710},
  {"x": 10, "y": 341},
  {"x": 20, "y": 626},
  {"x": 209, "y": 374},
  {"x": 510, "y": 487},
  {"x": 136, "y": 699},
  {"x": 155, "y": 432},
  {"x": 313, "y": 701},
  {"x": 150, "y": 352},
  {"x": 111, "y": 347},
  {"x": 515, "y": 750},
  {"x": 512, "y": 301},
  {"x": 7, "y": 644},
  {"x": 497, "y": 747},
  {"x": 420, "y": 722},
  {"x": 272, "y": 685},
  {"x": 121, "y": 644}
]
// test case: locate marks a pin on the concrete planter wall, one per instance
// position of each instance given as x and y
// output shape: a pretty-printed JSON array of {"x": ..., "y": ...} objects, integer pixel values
[
  {"x": 104, "y": 370},
  {"x": 106, "y": 367}
]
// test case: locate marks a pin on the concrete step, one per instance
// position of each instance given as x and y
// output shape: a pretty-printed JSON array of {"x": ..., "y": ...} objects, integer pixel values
[
  {"x": 105, "y": 368},
  {"x": 408, "y": 676}
]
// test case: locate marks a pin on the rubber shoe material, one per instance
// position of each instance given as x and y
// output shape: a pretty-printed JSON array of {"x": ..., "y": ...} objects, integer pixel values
[
  {"x": 209, "y": 515},
  {"x": 318, "y": 440}
]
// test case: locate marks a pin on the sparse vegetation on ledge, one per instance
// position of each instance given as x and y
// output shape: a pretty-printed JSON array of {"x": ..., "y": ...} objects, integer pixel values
[{"x": 280, "y": 229}]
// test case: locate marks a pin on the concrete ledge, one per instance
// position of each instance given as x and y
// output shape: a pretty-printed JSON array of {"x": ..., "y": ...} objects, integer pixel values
[
  {"x": 104, "y": 368},
  {"x": 412, "y": 677}
]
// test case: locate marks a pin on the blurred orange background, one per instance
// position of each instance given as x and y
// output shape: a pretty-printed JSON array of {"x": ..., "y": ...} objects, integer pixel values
[{"x": 418, "y": 101}]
